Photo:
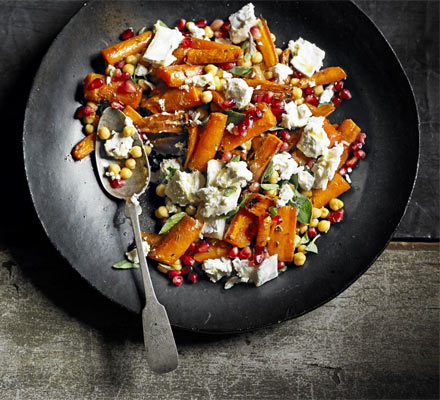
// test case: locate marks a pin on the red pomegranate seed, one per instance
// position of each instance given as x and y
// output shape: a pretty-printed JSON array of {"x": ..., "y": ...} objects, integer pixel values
[
  {"x": 221, "y": 34},
  {"x": 117, "y": 104},
  {"x": 359, "y": 154},
  {"x": 312, "y": 99},
  {"x": 345, "y": 94},
  {"x": 297, "y": 74},
  {"x": 181, "y": 23},
  {"x": 127, "y": 87},
  {"x": 338, "y": 86},
  {"x": 117, "y": 75},
  {"x": 309, "y": 90},
  {"x": 233, "y": 252},
  {"x": 174, "y": 273},
  {"x": 190, "y": 250},
  {"x": 125, "y": 76},
  {"x": 187, "y": 43},
  {"x": 255, "y": 32},
  {"x": 87, "y": 110},
  {"x": 96, "y": 84},
  {"x": 281, "y": 264},
  {"x": 248, "y": 121},
  {"x": 186, "y": 34},
  {"x": 284, "y": 135},
  {"x": 228, "y": 103},
  {"x": 201, "y": 23},
  {"x": 258, "y": 258},
  {"x": 258, "y": 97},
  {"x": 227, "y": 26},
  {"x": 351, "y": 162},
  {"x": 277, "y": 103},
  {"x": 312, "y": 232},
  {"x": 143, "y": 137},
  {"x": 120, "y": 64},
  {"x": 254, "y": 187},
  {"x": 186, "y": 270},
  {"x": 336, "y": 100},
  {"x": 361, "y": 137},
  {"x": 284, "y": 147},
  {"x": 255, "y": 112},
  {"x": 252, "y": 231},
  {"x": 116, "y": 183},
  {"x": 216, "y": 24},
  {"x": 79, "y": 113},
  {"x": 278, "y": 112},
  {"x": 227, "y": 65},
  {"x": 242, "y": 130},
  {"x": 177, "y": 280},
  {"x": 356, "y": 146},
  {"x": 273, "y": 79},
  {"x": 226, "y": 156},
  {"x": 193, "y": 277},
  {"x": 127, "y": 34},
  {"x": 245, "y": 253},
  {"x": 188, "y": 260},
  {"x": 343, "y": 171},
  {"x": 267, "y": 98},
  {"x": 277, "y": 219},
  {"x": 203, "y": 247},
  {"x": 336, "y": 216}
]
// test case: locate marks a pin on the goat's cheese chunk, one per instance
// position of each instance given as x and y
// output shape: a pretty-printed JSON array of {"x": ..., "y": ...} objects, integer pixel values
[
  {"x": 118, "y": 146},
  {"x": 171, "y": 207},
  {"x": 281, "y": 72},
  {"x": 327, "y": 94},
  {"x": 285, "y": 165},
  {"x": 141, "y": 70},
  {"x": 133, "y": 254},
  {"x": 169, "y": 166},
  {"x": 314, "y": 140},
  {"x": 233, "y": 173},
  {"x": 160, "y": 50},
  {"x": 307, "y": 57},
  {"x": 202, "y": 81},
  {"x": 305, "y": 180},
  {"x": 196, "y": 32},
  {"x": 267, "y": 270},
  {"x": 244, "y": 271},
  {"x": 326, "y": 166},
  {"x": 241, "y": 22},
  {"x": 285, "y": 195},
  {"x": 215, "y": 203},
  {"x": 183, "y": 187},
  {"x": 239, "y": 91},
  {"x": 217, "y": 268},
  {"x": 214, "y": 228},
  {"x": 295, "y": 116}
]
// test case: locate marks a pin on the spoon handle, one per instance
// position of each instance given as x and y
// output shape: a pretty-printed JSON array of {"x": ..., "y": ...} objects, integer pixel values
[{"x": 159, "y": 341}]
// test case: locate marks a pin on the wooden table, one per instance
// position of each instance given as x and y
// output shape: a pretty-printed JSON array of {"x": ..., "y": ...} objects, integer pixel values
[{"x": 59, "y": 339}]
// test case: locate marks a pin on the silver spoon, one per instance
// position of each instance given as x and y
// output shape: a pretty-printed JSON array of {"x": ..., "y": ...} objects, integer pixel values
[{"x": 159, "y": 341}]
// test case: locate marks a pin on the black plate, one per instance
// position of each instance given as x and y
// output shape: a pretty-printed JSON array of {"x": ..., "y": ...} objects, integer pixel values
[{"x": 89, "y": 229}]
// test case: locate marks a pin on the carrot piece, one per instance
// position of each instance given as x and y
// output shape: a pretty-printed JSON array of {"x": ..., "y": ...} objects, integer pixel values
[
  {"x": 282, "y": 236},
  {"x": 258, "y": 204},
  {"x": 151, "y": 104},
  {"x": 332, "y": 134},
  {"x": 217, "y": 98},
  {"x": 237, "y": 233},
  {"x": 335, "y": 188},
  {"x": 284, "y": 57},
  {"x": 121, "y": 50},
  {"x": 176, "y": 75},
  {"x": 257, "y": 142},
  {"x": 258, "y": 73},
  {"x": 84, "y": 147},
  {"x": 213, "y": 56},
  {"x": 217, "y": 249},
  {"x": 133, "y": 114},
  {"x": 324, "y": 77},
  {"x": 158, "y": 123},
  {"x": 176, "y": 99},
  {"x": 193, "y": 136},
  {"x": 263, "y": 155},
  {"x": 201, "y": 44},
  {"x": 263, "y": 233},
  {"x": 209, "y": 142},
  {"x": 294, "y": 139},
  {"x": 180, "y": 54},
  {"x": 152, "y": 239},
  {"x": 322, "y": 111},
  {"x": 230, "y": 142},
  {"x": 300, "y": 157},
  {"x": 349, "y": 132},
  {"x": 266, "y": 45},
  {"x": 174, "y": 243},
  {"x": 264, "y": 85}
]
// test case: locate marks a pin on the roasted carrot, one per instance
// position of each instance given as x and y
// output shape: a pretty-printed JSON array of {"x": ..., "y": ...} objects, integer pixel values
[
  {"x": 263, "y": 233},
  {"x": 209, "y": 142},
  {"x": 121, "y": 50},
  {"x": 300, "y": 157},
  {"x": 213, "y": 56},
  {"x": 349, "y": 132},
  {"x": 324, "y": 77},
  {"x": 237, "y": 233},
  {"x": 193, "y": 136},
  {"x": 257, "y": 142},
  {"x": 335, "y": 188},
  {"x": 173, "y": 100},
  {"x": 282, "y": 236},
  {"x": 217, "y": 249},
  {"x": 152, "y": 239},
  {"x": 258, "y": 204},
  {"x": 174, "y": 243},
  {"x": 266, "y": 45},
  {"x": 294, "y": 139},
  {"x": 202, "y": 44},
  {"x": 176, "y": 75},
  {"x": 263, "y": 155},
  {"x": 158, "y": 123},
  {"x": 133, "y": 114},
  {"x": 285, "y": 56},
  {"x": 332, "y": 134},
  {"x": 264, "y": 85},
  {"x": 261, "y": 125},
  {"x": 217, "y": 98},
  {"x": 84, "y": 147},
  {"x": 322, "y": 111}
]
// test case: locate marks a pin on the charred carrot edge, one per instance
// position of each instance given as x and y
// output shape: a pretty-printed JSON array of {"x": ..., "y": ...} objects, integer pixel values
[
  {"x": 213, "y": 56},
  {"x": 335, "y": 188},
  {"x": 133, "y": 114},
  {"x": 176, "y": 75},
  {"x": 84, "y": 147},
  {"x": 266, "y": 45},
  {"x": 193, "y": 135},
  {"x": 322, "y": 111},
  {"x": 217, "y": 249},
  {"x": 201, "y": 44},
  {"x": 264, "y": 85},
  {"x": 158, "y": 123},
  {"x": 258, "y": 204},
  {"x": 349, "y": 132},
  {"x": 121, "y": 50},
  {"x": 332, "y": 134},
  {"x": 282, "y": 236},
  {"x": 263, "y": 155},
  {"x": 263, "y": 234},
  {"x": 152, "y": 239},
  {"x": 217, "y": 98},
  {"x": 324, "y": 77},
  {"x": 237, "y": 233}
]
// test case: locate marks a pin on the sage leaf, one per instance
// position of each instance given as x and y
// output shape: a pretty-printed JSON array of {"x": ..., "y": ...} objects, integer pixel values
[
  {"x": 305, "y": 239},
  {"x": 124, "y": 264},
  {"x": 273, "y": 211},
  {"x": 240, "y": 71},
  {"x": 234, "y": 117},
  {"x": 311, "y": 247},
  {"x": 269, "y": 186},
  {"x": 236, "y": 158},
  {"x": 267, "y": 172},
  {"x": 275, "y": 128},
  {"x": 230, "y": 190},
  {"x": 171, "y": 221}
]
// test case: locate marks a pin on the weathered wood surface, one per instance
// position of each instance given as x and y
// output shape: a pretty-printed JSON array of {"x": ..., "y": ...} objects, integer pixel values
[{"x": 59, "y": 339}]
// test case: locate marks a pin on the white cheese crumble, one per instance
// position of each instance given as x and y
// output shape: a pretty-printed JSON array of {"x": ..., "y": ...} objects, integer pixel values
[
  {"x": 326, "y": 166},
  {"x": 233, "y": 173},
  {"x": 230, "y": 127},
  {"x": 307, "y": 57},
  {"x": 214, "y": 228},
  {"x": 183, "y": 186},
  {"x": 267, "y": 270},
  {"x": 314, "y": 140},
  {"x": 285, "y": 195},
  {"x": 118, "y": 146},
  {"x": 281, "y": 72},
  {"x": 202, "y": 81},
  {"x": 239, "y": 91},
  {"x": 244, "y": 271},
  {"x": 171, "y": 207},
  {"x": 214, "y": 202},
  {"x": 285, "y": 165},
  {"x": 195, "y": 31},
  {"x": 295, "y": 116},
  {"x": 141, "y": 70},
  {"x": 160, "y": 50},
  {"x": 133, "y": 254},
  {"x": 161, "y": 103},
  {"x": 169, "y": 163},
  {"x": 217, "y": 268},
  {"x": 305, "y": 180},
  {"x": 327, "y": 94},
  {"x": 241, "y": 22}
]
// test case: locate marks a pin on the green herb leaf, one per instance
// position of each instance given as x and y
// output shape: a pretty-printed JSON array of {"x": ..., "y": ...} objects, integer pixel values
[
  {"x": 230, "y": 190},
  {"x": 275, "y": 128},
  {"x": 234, "y": 117},
  {"x": 243, "y": 202},
  {"x": 305, "y": 239},
  {"x": 171, "y": 221},
  {"x": 294, "y": 180},
  {"x": 124, "y": 264},
  {"x": 236, "y": 158},
  {"x": 247, "y": 57},
  {"x": 269, "y": 186},
  {"x": 325, "y": 103},
  {"x": 142, "y": 30},
  {"x": 267, "y": 172},
  {"x": 304, "y": 206},
  {"x": 205, "y": 120},
  {"x": 235, "y": 210},
  {"x": 133, "y": 79},
  {"x": 311, "y": 247},
  {"x": 161, "y": 23},
  {"x": 284, "y": 269},
  {"x": 166, "y": 266},
  {"x": 273, "y": 211},
  {"x": 245, "y": 45},
  {"x": 241, "y": 71}
]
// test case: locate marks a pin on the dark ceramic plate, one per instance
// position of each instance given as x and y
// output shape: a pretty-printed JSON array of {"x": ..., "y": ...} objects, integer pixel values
[{"x": 89, "y": 228}]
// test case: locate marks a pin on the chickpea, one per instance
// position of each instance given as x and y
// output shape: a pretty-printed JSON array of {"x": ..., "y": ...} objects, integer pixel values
[
  {"x": 89, "y": 129},
  {"x": 298, "y": 102},
  {"x": 336, "y": 204},
  {"x": 316, "y": 212},
  {"x": 314, "y": 222},
  {"x": 128, "y": 131},
  {"x": 324, "y": 226},
  {"x": 299, "y": 259},
  {"x": 268, "y": 75},
  {"x": 319, "y": 90},
  {"x": 109, "y": 70},
  {"x": 114, "y": 168},
  {"x": 160, "y": 190},
  {"x": 136, "y": 152},
  {"x": 246, "y": 63},
  {"x": 90, "y": 119},
  {"x": 131, "y": 60},
  {"x": 161, "y": 212},
  {"x": 104, "y": 133},
  {"x": 190, "y": 25},
  {"x": 147, "y": 149},
  {"x": 302, "y": 248},
  {"x": 297, "y": 93},
  {"x": 93, "y": 105},
  {"x": 303, "y": 228},
  {"x": 218, "y": 83},
  {"x": 128, "y": 68},
  {"x": 307, "y": 193},
  {"x": 273, "y": 37},
  {"x": 206, "y": 97},
  {"x": 294, "y": 81},
  {"x": 297, "y": 240},
  {"x": 279, "y": 51},
  {"x": 126, "y": 173},
  {"x": 209, "y": 33},
  {"x": 257, "y": 58},
  {"x": 130, "y": 163},
  {"x": 274, "y": 177},
  {"x": 324, "y": 212},
  {"x": 211, "y": 69},
  {"x": 271, "y": 193}
]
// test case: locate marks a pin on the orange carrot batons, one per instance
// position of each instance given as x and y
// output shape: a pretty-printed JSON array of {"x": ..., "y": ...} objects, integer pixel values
[
  {"x": 121, "y": 50},
  {"x": 335, "y": 188},
  {"x": 282, "y": 236}
]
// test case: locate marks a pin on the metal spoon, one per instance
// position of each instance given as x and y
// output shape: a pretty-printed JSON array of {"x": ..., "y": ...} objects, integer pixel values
[{"x": 159, "y": 342}]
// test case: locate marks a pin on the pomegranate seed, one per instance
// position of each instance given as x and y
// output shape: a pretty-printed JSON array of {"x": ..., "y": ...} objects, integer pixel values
[
  {"x": 278, "y": 112},
  {"x": 284, "y": 135},
  {"x": 343, "y": 171},
  {"x": 193, "y": 277},
  {"x": 255, "y": 112},
  {"x": 227, "y": 65},
  {"x": 311, "y": 163},
  {"x": 96, "y": 84},
  {"x": 309, "y": 90},
  {"x": 361, "y": 137},
  {"x": 281, "y": 264},
  {"x": 187, "y": 43},
  {"x": 312, "y": 232},
  {"x": 284, "y": 147},
  {"x": 228, "y": 103},
  {"x": 120, "y": 64},
  {"x": 181, "y": 23},
  {"x": 297, "y": 74},
  {"x": 233, "y": 252},
  {"x": 312, "y": 99},
  {"x": 273, "y": 79},
  {"x": 191, "y": 248},
  {"x": 125, "y": 76},
  {"x": 127, "y": 87},
  {"x": 345, "y": 94},
  {"x": 351, "y": 162},
  {"x": 245, "y": 253},
  {"x": 258, "y": 97},
  {"x": 226, "y": 156},
  {"x": 338, "y": 86},
  {"x": 336, "y": 100},
  {"x": 227, "y": 26},
  {"x": 174, "y": 273},
  {"x": 221, "y": 34},
  {"x": 79, "y": 113},
  {"x": 254, "y": 187},
  {"x": 336, "y": 216},
  {"x": 201, "y": 23},
  {"x": 177, "y": 280},
  {"x": 186, "y": 34},
  {"x": 356, "y": 146},
  {"x": 277, "y": 103},
  {"x": 359, "y": 154},
  {"x": 252, "y": 231},
  {"x": 117, "y": 104},
  {"x": 267, "y": 98},
  {"x": 143, "y": 137},
  {"x": 188, "y": 260},
  {"x": 248, "y": 121},
  {"x": 87, "y": 110},
  {"x": 127, "y": 34},
  {"x": 216, "y": 24},
  {"x": 203, "y": 247},
  {"x": 255, "y": 32},
  {"x": 186, "y": 270},
  {"x": 258, "y": 258},
  {"x": 242, "y": 130},
  {"x": 116, "y": 183},
  {"x": 117, "y": 75},
  {"x": 277, "y": 219}
]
